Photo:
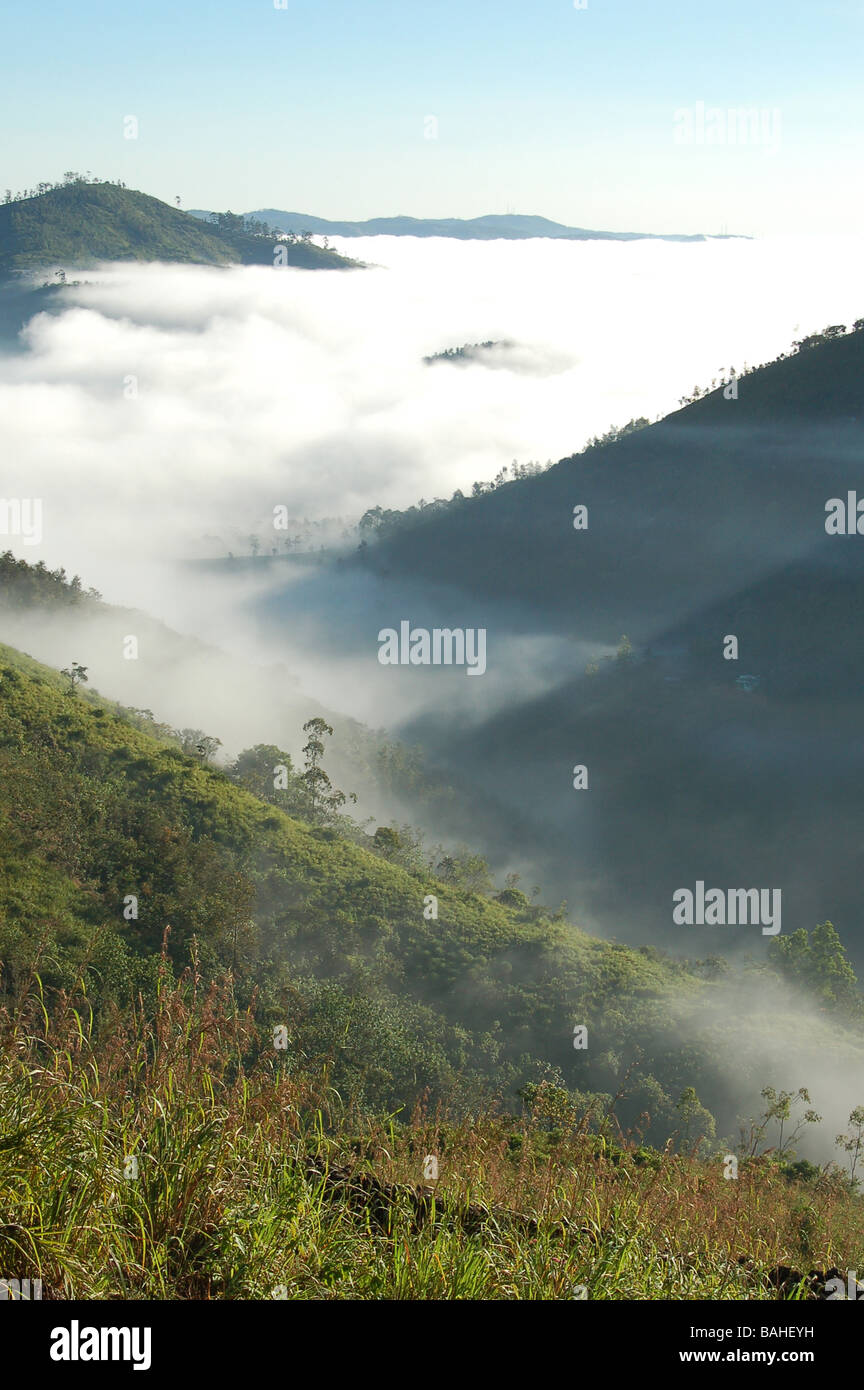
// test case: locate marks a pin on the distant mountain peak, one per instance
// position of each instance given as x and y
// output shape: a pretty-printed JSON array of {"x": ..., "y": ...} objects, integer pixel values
[{"x": 510, "y": 226}]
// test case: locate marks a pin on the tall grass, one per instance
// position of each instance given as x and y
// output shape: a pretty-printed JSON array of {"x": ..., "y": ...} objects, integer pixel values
[{"x": 181, "y": 1156}]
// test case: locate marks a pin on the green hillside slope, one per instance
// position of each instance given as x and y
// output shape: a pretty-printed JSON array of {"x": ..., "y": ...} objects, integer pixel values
[
  {"x": 324, "y": 924},
  {"x": 160, "y": 1141},
  {"x": 93, "y": 810}
]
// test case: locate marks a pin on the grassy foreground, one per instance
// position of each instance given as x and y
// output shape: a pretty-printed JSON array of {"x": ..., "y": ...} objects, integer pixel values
[{"x": 149, "y": 1159}]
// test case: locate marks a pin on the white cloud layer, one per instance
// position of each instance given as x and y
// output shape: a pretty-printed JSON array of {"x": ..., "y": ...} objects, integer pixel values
[{"x": 257, "y": 386}]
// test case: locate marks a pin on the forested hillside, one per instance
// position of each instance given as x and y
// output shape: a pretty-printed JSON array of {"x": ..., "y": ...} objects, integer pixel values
[
  {"x": 730, "y": 761},
  {"x": 113, "y": 835},
  {"x": 325, "y": 980},
  {"x": 83, "y": 222}
]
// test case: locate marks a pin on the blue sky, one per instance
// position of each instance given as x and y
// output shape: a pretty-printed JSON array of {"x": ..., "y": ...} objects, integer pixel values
[{"x": 324, "y": 107}]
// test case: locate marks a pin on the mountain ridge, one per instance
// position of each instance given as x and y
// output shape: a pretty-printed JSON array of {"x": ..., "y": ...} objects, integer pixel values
[{"x": 490, "y": 227}]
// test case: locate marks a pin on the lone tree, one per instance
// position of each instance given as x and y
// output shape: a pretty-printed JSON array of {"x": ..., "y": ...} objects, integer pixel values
[
  {"x": 778, "y": 1110},
  {"x": 267, "y": 772},
  {"x": 207, "y": 746},
  {"x": 322, "y": 802},
  {"x": 76, "y": 675},
  {"x": 386, "y": 841},
  {"x": 853, "y": 1143},
  {"x": 196, "y": 742}
]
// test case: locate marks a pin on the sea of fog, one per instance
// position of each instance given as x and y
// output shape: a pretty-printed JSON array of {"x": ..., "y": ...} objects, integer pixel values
[{"x": 162, "y": 412}]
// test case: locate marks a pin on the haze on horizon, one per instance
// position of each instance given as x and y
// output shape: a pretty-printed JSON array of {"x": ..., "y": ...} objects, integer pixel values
[{"x": 348, "y": 112}]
